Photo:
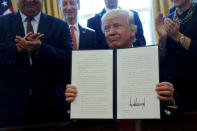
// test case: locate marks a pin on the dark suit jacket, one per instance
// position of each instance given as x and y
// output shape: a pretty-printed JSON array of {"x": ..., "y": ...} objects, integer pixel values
[
  {"x": 17, "y": 76},
  {"x": 87, "y": 39},
  {"x": 95, "y": 24}
]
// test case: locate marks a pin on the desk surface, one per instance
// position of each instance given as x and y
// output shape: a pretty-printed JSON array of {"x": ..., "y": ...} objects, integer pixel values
[{"x": 185, "y": 122}]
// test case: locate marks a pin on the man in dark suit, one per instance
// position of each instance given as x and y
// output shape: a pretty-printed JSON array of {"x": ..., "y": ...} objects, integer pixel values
[
  {"x": 84, "y": 38},
  {"x": 95, "y": 23},
  {"x": 118, "y": 23},
  {"x": 30, "y": 65}
]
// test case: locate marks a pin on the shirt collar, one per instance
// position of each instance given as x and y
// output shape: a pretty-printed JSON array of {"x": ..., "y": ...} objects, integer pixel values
[
  {"x": 24, "y": 17},
  {"x": 107, "y": 9},
  {"x": 76, "y": 25}
]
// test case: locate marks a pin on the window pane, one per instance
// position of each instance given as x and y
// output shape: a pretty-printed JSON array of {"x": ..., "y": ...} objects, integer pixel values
[{"x": 134, "y": 4}]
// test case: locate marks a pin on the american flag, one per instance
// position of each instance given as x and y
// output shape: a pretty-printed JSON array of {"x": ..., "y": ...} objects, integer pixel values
[{"x": 5, "y": 7}]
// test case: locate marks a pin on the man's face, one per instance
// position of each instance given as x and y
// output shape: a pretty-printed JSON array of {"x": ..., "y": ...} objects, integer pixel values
[
  {"x": 179, "y": 3},
  {"x": 111, "y": 4},
  {"x": 30, "y": 7},
  {"x": 117, "y": 33},
  {"x": 70, "y": 9}
]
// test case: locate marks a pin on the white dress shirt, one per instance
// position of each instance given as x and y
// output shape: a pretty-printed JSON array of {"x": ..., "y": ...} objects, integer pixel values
[
  {"x": 107, "y": 9},
  {"x": 35, "y": 22}
]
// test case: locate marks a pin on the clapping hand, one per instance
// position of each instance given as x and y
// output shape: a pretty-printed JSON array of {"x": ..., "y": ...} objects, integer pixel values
[
  {"x": 160, "y": 26},
  {"x": 172, "y": 28},
  {"x": 31, "y": 42}
]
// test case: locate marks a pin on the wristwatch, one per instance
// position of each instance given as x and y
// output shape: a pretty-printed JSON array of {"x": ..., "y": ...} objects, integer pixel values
[{"x": 181, "y": 40}]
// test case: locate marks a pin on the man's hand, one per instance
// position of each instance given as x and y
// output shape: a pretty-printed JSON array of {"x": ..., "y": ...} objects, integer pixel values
[
  {"x": 172, "y": 28},
  {"x": 32, "y": 37},
  {"x": 71, "y": 93},
  {"x": 160, "y": 28},
  {"x": 165, "y": 91},
  {"x": 31, "y": 42}
]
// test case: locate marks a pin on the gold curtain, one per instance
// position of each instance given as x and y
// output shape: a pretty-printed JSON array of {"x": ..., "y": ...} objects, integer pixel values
[
  {"x": 160, "y": 6},
  {"x": 50, "y": 7},
  {"x": 14, "y": 5}
]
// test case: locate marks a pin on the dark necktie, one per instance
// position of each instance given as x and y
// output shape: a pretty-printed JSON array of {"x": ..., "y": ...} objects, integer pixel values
[
  {"x": 29, "y": 25},
  {"x": 30, "y": 54},
  {"x": 29, "y": 28}
]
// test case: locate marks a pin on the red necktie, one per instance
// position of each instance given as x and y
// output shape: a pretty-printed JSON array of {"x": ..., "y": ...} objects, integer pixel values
[{"x": 72, "y": 28}]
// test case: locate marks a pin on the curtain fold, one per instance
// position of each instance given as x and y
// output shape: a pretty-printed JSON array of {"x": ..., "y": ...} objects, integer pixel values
[
  {"x": 50, "y": 7},
  {"x": 160, "y": 6},
  {"x": 14, "y": 5}
]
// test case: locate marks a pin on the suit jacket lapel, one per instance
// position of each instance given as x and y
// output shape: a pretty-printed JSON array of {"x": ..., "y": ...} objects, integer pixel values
[
  {"x": 17, "y": 25},
  {"x": 44, "y": 24},
  {"x": 102, "y": 12},
  {"x": 82, "y": 37},
  {"x": 17, "y": 28}
]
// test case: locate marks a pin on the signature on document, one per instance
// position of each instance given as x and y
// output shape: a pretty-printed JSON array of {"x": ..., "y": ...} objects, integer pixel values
[{"x": 136, "y": 102}]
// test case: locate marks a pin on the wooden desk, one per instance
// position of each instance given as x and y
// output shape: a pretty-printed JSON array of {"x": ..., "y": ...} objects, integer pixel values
[
  {"x": 185, "y": 122},
  {"x": 40, "y": 127}
]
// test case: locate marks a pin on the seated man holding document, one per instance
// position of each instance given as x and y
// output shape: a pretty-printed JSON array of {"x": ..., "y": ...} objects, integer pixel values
[{"x": 119, "y": 29}]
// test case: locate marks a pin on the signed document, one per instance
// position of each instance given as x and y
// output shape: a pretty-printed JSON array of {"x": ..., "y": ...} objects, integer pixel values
[
  {"x": 137, "y": 76},
  {"x": 117, "y": 84}
]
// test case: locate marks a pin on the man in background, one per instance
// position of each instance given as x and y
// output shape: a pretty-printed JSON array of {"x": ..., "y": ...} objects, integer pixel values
[
  {"x": 83, "y": 38},
  {"x": 34, "y": 49},
  {"x": 95, "y": 23},
  {"x": 173, "y": 8}
]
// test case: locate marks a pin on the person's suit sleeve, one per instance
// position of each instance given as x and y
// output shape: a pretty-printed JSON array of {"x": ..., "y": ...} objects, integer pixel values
[
  {"x": 94, "y": 23},
  {"x": 60, "y": 52},
  {"x": 193, "y": 48},
  {"x": 91, "y": 23},
  {"x": 7, "y": 47},
  {"x": 95, "y": 44},
  {"x": 140, "y": 40}
]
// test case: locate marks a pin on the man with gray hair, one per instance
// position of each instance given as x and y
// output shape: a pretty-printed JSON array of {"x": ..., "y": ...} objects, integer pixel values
[
  {"x": 95, "y": 23},
  {"x": 119, "y": 29}
]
